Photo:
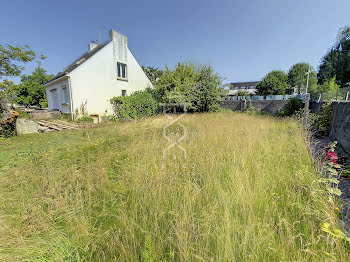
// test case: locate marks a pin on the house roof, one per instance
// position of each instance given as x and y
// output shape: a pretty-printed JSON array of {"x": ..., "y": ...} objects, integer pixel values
[{"x": 78, "y": 62}]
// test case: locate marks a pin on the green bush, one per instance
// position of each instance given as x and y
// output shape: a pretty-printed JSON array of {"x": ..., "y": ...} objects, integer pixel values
[
  {"x": 321, "y": 123},
  {"x": 85, "y": 119},
  {"x": 243, "y": 93},
  {"x": 66, "y": 117},
  {"x": 137, "y": 105},
  {"x": 197, "y": 87},
  {"x": 294, "y": 105}
]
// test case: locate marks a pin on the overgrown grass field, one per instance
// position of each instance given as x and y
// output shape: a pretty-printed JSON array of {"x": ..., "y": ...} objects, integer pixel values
[{"x": 246, "y": 191}]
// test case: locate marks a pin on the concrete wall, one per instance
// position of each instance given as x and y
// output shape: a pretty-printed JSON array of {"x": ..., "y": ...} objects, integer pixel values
[
  {"x": 267, "y": 106},
  {"x": 341, "y": 124}
]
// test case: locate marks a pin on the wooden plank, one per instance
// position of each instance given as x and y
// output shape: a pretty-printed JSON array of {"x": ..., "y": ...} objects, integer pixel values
[
  {"x": 68, "y": 124},
  {"x": 63, "y": 124},
  {"x": 60, "y": 125},
  {"x": 49, "y": 125}
]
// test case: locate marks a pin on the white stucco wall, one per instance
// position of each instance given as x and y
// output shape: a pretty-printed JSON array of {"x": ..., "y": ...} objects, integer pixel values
[
  {"x": 96, "y": 80},
  {"x": 63, "y": 107}
]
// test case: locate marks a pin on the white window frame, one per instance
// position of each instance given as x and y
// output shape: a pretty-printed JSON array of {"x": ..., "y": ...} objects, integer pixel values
[
  {"x": 120, "y": 74},
  {"x": 124, "y": 94}
]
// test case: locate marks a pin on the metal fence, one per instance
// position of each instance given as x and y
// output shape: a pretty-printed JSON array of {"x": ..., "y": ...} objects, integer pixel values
[
  {"x": 342, "y": 94},
  {"x": 268, "y": 97}
]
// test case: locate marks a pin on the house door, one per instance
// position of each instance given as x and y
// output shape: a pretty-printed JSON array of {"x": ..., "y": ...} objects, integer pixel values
[{"x": 54, "y": 99}]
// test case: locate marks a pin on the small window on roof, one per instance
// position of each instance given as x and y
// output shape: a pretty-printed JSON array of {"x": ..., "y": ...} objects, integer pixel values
[{"x": 122, "y": 71}]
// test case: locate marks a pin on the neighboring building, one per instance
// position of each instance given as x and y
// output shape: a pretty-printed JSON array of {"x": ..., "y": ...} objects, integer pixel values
[
  {"x": 240, "y": 86},
  {"x": 105, "y": 71}
]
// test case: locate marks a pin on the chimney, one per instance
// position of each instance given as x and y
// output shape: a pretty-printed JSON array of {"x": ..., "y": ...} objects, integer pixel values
[
  {"x": 112, "y": 34},
  {"x": 116, "y": 36},
  {"x": 93, "y": 45}
]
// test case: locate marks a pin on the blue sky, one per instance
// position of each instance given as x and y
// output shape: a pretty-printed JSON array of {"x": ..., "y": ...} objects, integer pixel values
[{"x": 243, "y": 39}]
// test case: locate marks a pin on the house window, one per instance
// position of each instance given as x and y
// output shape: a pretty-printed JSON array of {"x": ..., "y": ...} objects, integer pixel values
[
  {"x": 65, "y": 95},
  {"x": 122, "y": 73},
  {"x": 124, "y": 93}
]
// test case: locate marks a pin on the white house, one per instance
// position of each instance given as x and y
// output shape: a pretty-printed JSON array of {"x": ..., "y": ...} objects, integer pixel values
[
  {"x": 249, "y": 87},
  {"x": 105, "y": 71}
]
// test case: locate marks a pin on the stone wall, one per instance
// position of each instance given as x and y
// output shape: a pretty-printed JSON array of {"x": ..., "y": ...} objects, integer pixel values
[
  {"x": 233, "y": 105},
  {"x": 267, "y": 106},
  {"x": 42, "y": 114},
  {"x": 341, "y": 124}
]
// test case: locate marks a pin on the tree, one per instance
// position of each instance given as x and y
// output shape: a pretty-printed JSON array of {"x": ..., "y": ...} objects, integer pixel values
[
  {"x": 210, "y": 89},
  {"x": 274, "y": 83},
  {"x": 198, "y": 87},
  {"x": 9, "y": 55},
  {"x": 297, "y": 77},
  {"x": 7, "y": 90},
  {"x": 329, "y": 85},
  {"x": 336, "y": 62},
  {"x": 153, "y": 73},
  {"x": 31, "y": 91},
  {"x": 243, "y": 93},
  {"x": 178, "y": 85}
]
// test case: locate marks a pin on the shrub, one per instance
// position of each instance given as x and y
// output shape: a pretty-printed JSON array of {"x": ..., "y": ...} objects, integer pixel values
[
  {"x": 321, "y": 123},
  {"x": 137, "y": 105},
  {"x": 199, "y": 87},
  {"x": 85, "y": 119},
  {"x": 294, "y": 105},
  {"x": 243, "y": 93},
  {"x": 66, "y": 117}
]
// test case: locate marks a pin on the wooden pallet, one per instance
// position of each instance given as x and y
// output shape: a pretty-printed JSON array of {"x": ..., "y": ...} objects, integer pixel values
[{"x": 58, "y": 125}]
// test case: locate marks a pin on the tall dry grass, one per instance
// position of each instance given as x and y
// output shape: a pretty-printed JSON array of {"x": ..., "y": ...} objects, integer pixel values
[{"x": 247, "y": 191}]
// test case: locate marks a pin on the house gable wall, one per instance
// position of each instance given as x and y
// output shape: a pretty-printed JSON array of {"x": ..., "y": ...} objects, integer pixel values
[{"x": 96, "y": 80}]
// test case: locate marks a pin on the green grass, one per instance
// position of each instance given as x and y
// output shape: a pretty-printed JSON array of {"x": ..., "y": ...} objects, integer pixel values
[{"x": 247, "y": 191}]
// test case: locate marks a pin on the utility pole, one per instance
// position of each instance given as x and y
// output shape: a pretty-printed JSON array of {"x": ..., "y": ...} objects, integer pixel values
[{"x": 307, "y": 100}]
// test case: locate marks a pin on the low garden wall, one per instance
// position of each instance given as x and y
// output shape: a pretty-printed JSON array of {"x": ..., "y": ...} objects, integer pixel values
[
  {"x": 341, "y": 124},
  {"x": 43, "y": 114}
]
